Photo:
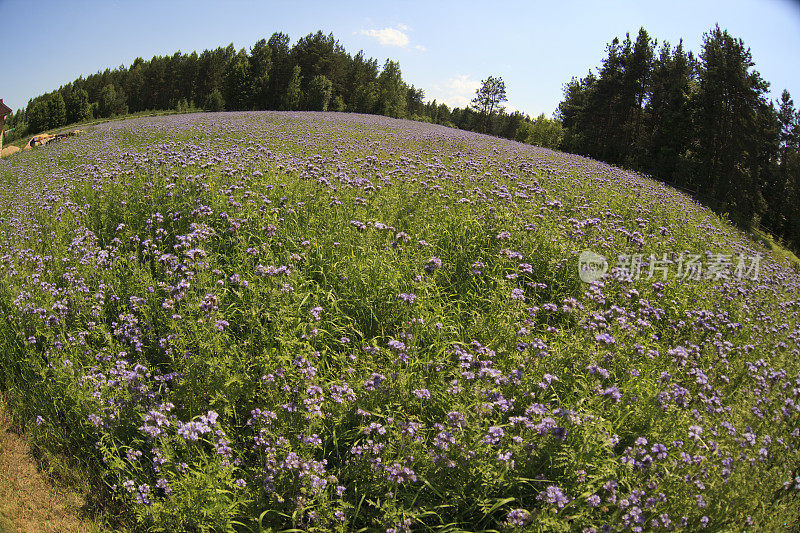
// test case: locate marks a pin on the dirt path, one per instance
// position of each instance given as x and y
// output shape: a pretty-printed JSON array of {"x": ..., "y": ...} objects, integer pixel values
[{"x": 28, "y": 502}]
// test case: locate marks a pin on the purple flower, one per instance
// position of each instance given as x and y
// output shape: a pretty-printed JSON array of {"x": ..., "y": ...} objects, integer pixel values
[
  {"x": 400, "y": 474},
  {"x": 612, "y": 393},
  {"x": 494, "y": 435},
  {"x": 162, "y": 484},
  {"x": 434, "y": 263},
  {"x": 396, "y": 345},
  {"x": 191, "y": 431},
  {"x": 605, "y": 338},
  {"x": 553, "y": 496},
  {"x": 519, "y": 517},
  {"x": 374, "y": 381}
]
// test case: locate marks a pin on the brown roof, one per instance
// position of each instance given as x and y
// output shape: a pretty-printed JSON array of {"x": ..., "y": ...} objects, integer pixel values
[{"x": 4, "y": 109}]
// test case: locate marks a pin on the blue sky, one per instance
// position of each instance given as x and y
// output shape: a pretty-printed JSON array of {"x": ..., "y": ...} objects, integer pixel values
[{"x": 445, "y": 48}]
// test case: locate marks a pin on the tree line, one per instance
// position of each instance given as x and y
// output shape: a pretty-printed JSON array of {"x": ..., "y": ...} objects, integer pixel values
[
  {"x": 316, "y": 73},
  {"x": 703, "y": 123}
]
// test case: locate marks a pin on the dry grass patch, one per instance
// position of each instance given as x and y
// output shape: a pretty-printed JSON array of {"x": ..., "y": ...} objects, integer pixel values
[{"x": 28, "y": 501}]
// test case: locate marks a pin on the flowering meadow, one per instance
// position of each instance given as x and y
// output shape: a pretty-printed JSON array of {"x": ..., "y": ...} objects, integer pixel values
[{"x": 327, "y": 322}]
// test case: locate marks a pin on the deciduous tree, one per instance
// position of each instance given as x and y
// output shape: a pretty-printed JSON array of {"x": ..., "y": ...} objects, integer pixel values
[
  {"x": 319, "y": 93},
  {"x": 489, "y": 98}
]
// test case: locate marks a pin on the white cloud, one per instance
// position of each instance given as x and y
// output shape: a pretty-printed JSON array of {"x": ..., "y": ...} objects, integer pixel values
[
  {"x": 420, "y": 47},
  {"x": 388, "y": 36},
  {"x": 402, "y": 27},
  {"x": 457, "y": 91}
]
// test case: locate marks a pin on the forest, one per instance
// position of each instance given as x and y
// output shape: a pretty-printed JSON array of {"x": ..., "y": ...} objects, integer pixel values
[{"x": 702, "y": 123}]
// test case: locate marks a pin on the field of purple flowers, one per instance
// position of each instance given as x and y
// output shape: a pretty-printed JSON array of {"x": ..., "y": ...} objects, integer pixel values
[{"x": 328, "y": 322}]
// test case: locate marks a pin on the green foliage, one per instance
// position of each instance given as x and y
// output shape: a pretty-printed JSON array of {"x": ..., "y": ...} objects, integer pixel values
[
  {"x": 281, "y": 70},
  {"x": 365, "y": 99},
  {"x": 239, "y": 83},
  {"x": 319, "y": 94},
  {"x": 215, "y": 101},
  {"x": 542, "y": 132},
  {"x": 294, "y": 95},
  {"x": 182, "y": 106},
  {"x": 56, "y": 111},
  {"x": 414, "y": 101},
  {"x": 78, "y": 108},
  {"x": 112, "y": 102},
  {"x": 260, "y": 66},
  {"x": 337, "y": 104},
  {"x": 391, "y": 91},
  {"x": 108, "y": 96},
  {"x": 38, "y": 117}
]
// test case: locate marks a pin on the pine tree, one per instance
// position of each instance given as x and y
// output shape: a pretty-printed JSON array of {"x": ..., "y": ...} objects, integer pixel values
[
  {"x": 636, "y": 84},
  {"x": 238, "y": 83},
  {"x": 788, "y": 169},
  {"x": 56, "y": 110},
  {"x": 38, "y": 116},
  {"x": 728, "y": 99},
  {"x": 260, "y": 66},
  {"x": 668, "y": 116},
  {"x": 78, "y": 108}
]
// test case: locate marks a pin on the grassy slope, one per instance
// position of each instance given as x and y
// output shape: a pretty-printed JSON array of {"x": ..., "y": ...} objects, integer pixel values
[{"x": 420, "y": 173}]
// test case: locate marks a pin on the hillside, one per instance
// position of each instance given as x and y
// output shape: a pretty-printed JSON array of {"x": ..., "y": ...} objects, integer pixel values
[{"x": 324, "y": 321}]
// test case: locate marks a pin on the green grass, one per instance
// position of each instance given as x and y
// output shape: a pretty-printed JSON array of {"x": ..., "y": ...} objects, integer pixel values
[{"x": 778, "y": 250}]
